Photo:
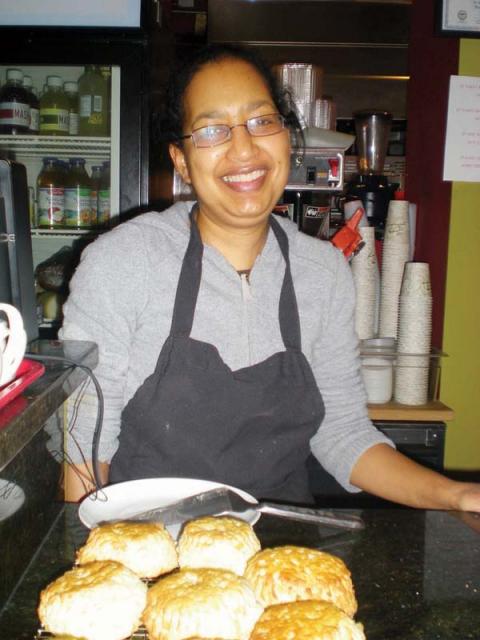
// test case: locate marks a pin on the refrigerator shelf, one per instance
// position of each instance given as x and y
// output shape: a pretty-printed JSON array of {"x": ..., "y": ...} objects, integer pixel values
[
  {"x": 60, "y": 146},
  {"x": 65, "y": 233}
]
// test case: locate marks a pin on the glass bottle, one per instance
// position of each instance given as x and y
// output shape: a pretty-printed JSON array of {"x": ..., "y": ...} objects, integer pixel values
[
  {"x": 71, "y": 90},
  {"x": 54, "y": 108},
  {"x": 103, "y": 211},
  {"x": 95, "y": 184},
  {"x": 14, "y": 105},
  {"x": 93, "y": 103},
  {"x": 50, "y": 195},
  {"x": 78, "y": 211},
  {"x": 106, "y": 73},
  {"x": 34, "y": 105}
]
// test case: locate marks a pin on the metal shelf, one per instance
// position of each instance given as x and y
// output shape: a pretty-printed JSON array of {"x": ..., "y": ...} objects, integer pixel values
[
  {"x": 60, "y": 146},
  {"x": 64, "y": 233}
]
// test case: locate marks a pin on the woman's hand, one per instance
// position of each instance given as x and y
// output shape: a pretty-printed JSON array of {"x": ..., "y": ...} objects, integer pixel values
[{"x": 469, "y": 497}]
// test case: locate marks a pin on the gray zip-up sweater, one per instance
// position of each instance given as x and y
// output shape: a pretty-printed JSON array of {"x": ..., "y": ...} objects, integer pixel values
[{"x": 122, "y": 297}]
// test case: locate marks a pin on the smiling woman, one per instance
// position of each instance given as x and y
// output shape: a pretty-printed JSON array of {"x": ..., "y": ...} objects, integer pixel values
[
  {"x": 228, "y": 353},
  {"x": 233, "y": 147}
]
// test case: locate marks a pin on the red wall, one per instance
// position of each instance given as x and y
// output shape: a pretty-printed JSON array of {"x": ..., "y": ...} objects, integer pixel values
[{"x": 432, "y": 59}]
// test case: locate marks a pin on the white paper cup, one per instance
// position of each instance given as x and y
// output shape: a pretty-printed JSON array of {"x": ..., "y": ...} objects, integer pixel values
[
  {"x": 397, "y": 211},
  {"x": 377, "y": 357},
  {"x": 411, "y": 379},
  {"x": 365, "y": 276},
  {"x": 377, "y": 374},
  {"x": 416, "y": 279}
]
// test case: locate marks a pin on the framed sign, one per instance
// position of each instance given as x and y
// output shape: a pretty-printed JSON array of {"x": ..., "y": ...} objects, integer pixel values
[
  {"x": 462, "y": 144},
  {"x": 458, "y": 18}
]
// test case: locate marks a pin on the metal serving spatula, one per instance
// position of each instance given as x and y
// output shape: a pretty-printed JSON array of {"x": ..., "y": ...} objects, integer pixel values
[{"x": 223, "y": 501}]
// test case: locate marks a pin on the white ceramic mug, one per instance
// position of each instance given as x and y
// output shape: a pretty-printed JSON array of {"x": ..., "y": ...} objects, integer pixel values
[{"x": 13, "y": 342}]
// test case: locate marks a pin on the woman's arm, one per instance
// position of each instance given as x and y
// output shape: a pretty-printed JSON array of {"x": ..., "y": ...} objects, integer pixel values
[
  {"x": 387, "y": 473},
  {"x": 106, "y": 293},
  {"x": 78, "y": 480},
  {"x": 346, "y": 431}
]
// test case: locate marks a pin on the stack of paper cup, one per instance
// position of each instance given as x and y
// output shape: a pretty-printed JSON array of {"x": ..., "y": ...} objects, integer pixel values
[
  {"x": 412, "y": 222},
  {"x": 414, "y": 335},
  {"x": 365, "y": 272},
  {"x": 396, "y": 252}
]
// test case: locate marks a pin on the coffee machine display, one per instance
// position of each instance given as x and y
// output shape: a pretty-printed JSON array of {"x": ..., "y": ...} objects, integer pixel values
[{"x": 372, "y": 130}]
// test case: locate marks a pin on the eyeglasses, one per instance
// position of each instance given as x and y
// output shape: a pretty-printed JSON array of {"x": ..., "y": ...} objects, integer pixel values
[{"x": 215, "y": 134}]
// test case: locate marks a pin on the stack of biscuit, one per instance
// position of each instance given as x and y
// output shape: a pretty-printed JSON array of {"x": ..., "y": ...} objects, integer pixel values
[{"x": 214, "y": 583}]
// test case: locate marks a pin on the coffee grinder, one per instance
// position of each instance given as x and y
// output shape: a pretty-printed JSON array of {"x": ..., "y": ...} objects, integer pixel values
[
  {"x": 316, "y": 177},
  {"x": 372, "y": 130}
]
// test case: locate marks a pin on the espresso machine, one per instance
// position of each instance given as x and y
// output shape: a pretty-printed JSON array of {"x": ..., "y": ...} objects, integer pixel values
[
  {"x": 372, "y": 130},
  {"x": 316, "y": 177}
]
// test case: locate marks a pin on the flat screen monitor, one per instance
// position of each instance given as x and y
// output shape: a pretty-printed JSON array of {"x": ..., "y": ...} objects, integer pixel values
[
  {"x": 71, "y": 13},
  {"x": 17, "y": 284}
]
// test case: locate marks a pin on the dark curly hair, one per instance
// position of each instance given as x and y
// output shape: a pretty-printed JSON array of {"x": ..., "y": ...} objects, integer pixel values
[{"x": 171, "y": 126}]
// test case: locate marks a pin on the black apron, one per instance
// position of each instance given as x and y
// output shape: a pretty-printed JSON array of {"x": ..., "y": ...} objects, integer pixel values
[{"x": 194, "y": 417}]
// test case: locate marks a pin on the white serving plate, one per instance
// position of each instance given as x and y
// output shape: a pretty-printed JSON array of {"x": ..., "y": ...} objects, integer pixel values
[{"x": 119, "y": 501}]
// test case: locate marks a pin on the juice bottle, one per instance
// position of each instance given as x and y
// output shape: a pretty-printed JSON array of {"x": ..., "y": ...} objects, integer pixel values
[
  {"x": 14, "y": 105},
  {"x": 54, "y": 108},
  {"x": 34, "y": 105},
  {"x": 95, "y": 182},
  {"x": 78, "y": 211},
  {"x": 93, "y": 103},
  {"x": 71, "y": 90},
  {"x": 106, "y": 73},
  {"x": 103, "y": 212},
  {"x": 50, "y": 195}
]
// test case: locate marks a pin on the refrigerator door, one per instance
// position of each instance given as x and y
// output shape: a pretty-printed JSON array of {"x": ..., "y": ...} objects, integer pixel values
[
  {"x": 65, "y": 53},
  {"x": 123, "y": 55}
]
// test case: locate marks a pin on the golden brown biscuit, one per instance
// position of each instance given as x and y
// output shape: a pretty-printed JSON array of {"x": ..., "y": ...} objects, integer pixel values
[
  {"x": 208, "y": 603},
  {"x": 286, "y": 574},
  {"x": 97, "y": 601},
  {"x": 306, "y": 620},
  {"x": 146, "y": 548},
  {"x": 217, "y": 542}
]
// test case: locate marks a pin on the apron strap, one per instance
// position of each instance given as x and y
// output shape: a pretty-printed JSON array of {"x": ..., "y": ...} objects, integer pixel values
[
  {"x": 288, "y": 309},
  {"x": 188, "y": 282},
  {"x": 189, "y": 285}
]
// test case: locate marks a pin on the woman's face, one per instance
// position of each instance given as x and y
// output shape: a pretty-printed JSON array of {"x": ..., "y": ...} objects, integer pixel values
[{"x": 239, "y": 181}]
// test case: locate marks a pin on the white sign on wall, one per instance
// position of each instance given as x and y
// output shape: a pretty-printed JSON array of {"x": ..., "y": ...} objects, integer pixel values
[
  {"x": 462, "y": 145},
  {"x": 70, "y": 13}
]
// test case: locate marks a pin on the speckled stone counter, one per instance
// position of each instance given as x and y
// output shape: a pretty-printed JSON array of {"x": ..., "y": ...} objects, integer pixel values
[
  {"x": 31, "y": 456},
  {"x": 416, "y": 573},
  {"x": 21, "y": 419}
]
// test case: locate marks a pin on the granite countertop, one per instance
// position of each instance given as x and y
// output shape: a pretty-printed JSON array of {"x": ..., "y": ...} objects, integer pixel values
[
  {"x": 32, "y": 427},
  {"x": 416, "y": 573},
  {"x": 25, "y": 415}
]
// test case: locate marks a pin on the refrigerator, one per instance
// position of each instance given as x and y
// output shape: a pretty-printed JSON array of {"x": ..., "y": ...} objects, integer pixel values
[{"x": 58, "y": 38}]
